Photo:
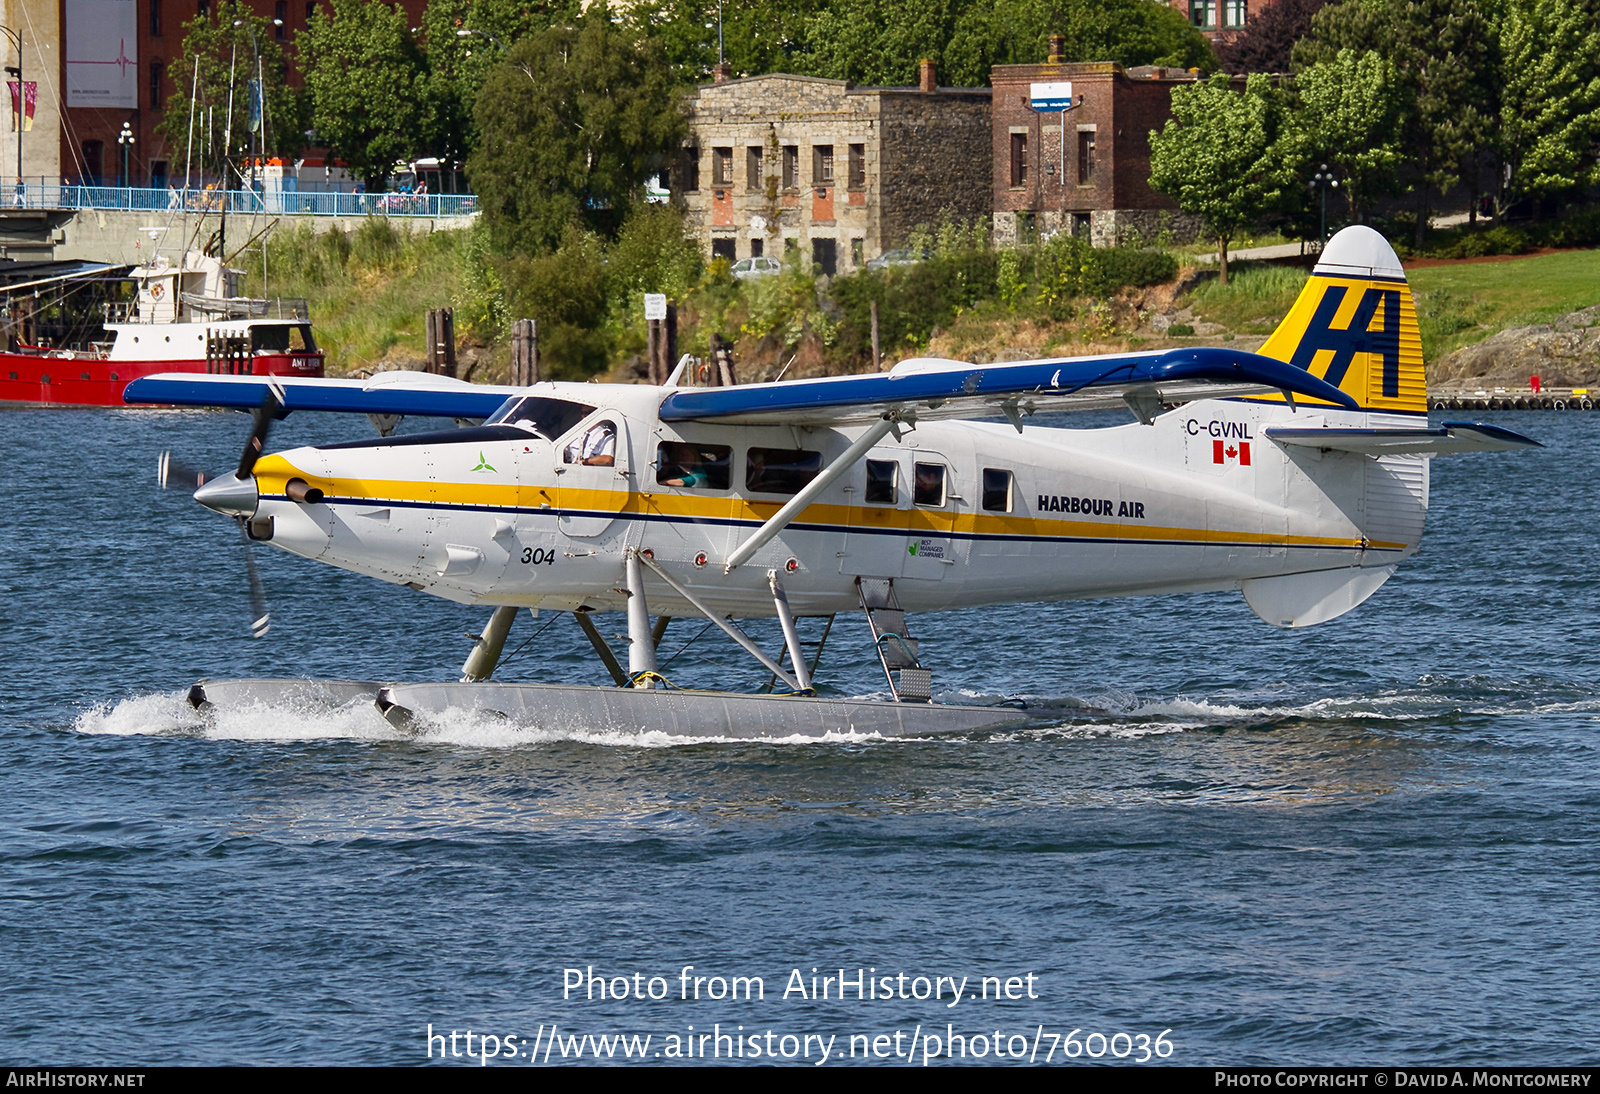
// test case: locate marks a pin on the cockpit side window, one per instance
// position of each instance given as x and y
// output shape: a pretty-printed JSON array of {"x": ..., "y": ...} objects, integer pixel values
[{"x": 550, "y": 418}]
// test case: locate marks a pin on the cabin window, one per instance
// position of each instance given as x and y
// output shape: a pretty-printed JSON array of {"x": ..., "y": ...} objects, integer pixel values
[
  {"x": 996, "y": 490},
  {"x": 702, "y": 466},
  {"x": 929, "y": 486},
  {"x": 883, "y": 480},
  {"x": 548, "y": 417},
  {"x": 284, "y": 339},
  {"x": 780, "y": 470}
]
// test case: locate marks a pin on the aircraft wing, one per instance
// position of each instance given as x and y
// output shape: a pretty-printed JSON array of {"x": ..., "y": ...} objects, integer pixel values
[
  {"x": 418, "y": 393},
  {"x": 930, "y": 388},
  {"x": 1445, "y": 440}
]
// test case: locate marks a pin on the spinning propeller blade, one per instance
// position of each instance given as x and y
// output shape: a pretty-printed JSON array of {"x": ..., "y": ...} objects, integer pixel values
[{"x": 234, "y": 495}]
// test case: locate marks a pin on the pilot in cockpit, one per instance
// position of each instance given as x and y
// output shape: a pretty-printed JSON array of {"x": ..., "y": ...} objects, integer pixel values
[{"x": 596, "y": 448}]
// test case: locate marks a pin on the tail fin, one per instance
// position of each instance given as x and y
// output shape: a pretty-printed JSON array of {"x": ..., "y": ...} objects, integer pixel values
[{"x": 1354, "y": 326}]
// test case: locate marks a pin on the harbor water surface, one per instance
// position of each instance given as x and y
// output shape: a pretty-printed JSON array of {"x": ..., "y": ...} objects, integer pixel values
[{"x": 1371, "y": 842}]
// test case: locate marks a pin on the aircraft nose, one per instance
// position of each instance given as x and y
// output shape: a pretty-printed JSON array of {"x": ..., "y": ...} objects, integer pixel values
[{"x": 230, "y": 495}]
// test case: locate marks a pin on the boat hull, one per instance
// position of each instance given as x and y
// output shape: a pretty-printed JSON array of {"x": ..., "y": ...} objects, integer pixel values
[{"x": 82, "y": 379}]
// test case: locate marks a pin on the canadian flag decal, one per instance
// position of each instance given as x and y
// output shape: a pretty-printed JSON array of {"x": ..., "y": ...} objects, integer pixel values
[{"x": 1224, "y": 451}]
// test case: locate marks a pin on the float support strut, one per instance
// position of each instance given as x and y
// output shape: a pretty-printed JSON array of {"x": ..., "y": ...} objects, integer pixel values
[
  {"x": 791, "y": 636},
  {"x": 728, "y": 628},
  {"x": 486, "y": 654},
  {"x": 641, "y": 643}
]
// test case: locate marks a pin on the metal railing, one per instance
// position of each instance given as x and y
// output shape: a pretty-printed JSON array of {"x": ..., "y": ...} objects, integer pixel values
[{"x": 49, "y": 195}]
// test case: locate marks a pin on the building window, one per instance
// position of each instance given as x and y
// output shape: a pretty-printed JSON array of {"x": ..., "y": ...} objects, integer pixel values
[
  {"x": 1085, "y": 157},
  {"x": 203, "y": 7},
  {"x": 725, "y": 248},
  {"x": 158, "y": 174},
  {"x": 752, "y": 167},
  {"x": 93, "y": 163},
  {"x": 858, "y": 167},
  {"x": 791, "y": 166},
  {"x": 280, "y": 12},
  {"x": 689, "y": 169},
  {"x": 1027, "y": 228},
  {"x": 155, "y": 85},
  {"x": 1019, "y": 159},
  {"x": 722, "y": 167},
  {"x": 756, "y": 248},
  {"x": 858, "y": 252},
  {"x": 1233, "y": 13},
  {"x": 155, "y": 18},
  {"x": 825, "y": 254},
  {"x": 311, "y": 9},
  {"x": 822, "y": 165},
  {"x": 1203, "y": 13}
]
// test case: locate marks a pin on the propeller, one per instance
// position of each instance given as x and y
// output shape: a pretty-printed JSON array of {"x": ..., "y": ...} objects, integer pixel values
[{"x": 234, "y": 495}]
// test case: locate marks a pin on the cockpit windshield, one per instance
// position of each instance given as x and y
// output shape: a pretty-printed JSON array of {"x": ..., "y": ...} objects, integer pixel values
[{"x": 548, "y": 417}]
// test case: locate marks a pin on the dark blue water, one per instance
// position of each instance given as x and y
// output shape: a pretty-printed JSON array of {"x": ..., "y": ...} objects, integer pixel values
[{"x": 1376, "y": 841}]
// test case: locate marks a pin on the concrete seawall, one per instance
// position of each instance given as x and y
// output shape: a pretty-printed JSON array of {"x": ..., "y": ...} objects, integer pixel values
[{"x": 118, "y": 236}]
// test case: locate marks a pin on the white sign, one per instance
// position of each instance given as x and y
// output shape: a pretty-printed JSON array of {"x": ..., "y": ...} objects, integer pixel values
[
  {"x": 1051, "y": 97},
  {"x": 655, "y": 305},
  {"x": 102, "y": 43}
]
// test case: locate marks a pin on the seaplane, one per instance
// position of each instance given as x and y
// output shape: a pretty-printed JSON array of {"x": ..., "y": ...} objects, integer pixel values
[{"x": 1296, "y": 475}]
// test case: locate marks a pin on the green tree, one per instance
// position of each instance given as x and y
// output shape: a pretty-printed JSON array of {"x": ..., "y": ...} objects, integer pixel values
[
  {"x": 218, "y": 56},
  {"x": 1351, "y": 110},
  {"x": 756, "y": 38},
  {"x": 1440, "y": 53},
  {"x": 459, "y": 63},
  {"x": 1130, "y": 32},
  {"x": 564, "y": 290},
  {"x": 1550, "y": 97},
  {"x": 1225, "y": 155},
  {"x": 571, "y": 124},
  {"x": 366, "y": 78}
]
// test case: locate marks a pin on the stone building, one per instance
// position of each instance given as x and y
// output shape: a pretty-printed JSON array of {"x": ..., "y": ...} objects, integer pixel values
[
  {"x": 781, "y": 163},
  {"x": 1087, "y": 170}
]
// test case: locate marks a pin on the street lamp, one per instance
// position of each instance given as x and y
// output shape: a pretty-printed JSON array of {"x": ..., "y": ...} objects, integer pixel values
[
  {"x": 126, "y": 140},
  {"x": 465, "y": 32},
  {"x": 22, "y": 100},
  {"x": 1324, "y": 181}
]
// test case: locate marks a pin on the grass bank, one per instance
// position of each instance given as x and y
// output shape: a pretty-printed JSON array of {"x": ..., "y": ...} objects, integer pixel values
[{"x": 1458, "y": 303}]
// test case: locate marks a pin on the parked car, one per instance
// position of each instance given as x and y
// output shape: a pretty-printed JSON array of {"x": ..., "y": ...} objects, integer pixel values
[
  {"x": 761, "y": 266},
  {"x": 900, "y": 256}
]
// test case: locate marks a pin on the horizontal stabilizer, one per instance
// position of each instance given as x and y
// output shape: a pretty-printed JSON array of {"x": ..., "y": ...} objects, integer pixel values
[
  {"x": 417, "y": 393},
  {"x": 1445, "y": 440},
  {"x": 1304, "y": 600},
  {"x": 929, "y": 388}
]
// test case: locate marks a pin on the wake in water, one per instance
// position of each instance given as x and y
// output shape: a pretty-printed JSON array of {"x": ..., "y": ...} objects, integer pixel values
[{"x": 1432, "y": 700}]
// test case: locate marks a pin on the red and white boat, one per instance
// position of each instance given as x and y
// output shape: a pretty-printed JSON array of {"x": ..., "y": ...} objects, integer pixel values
[{"x": 184, "y": 318}]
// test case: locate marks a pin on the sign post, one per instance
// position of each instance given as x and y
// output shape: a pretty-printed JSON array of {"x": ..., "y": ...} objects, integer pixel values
[{"x": 1046, "y": 98}]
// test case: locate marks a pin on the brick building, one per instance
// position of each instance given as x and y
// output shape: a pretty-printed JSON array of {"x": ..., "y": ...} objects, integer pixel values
[
  {"x": 1221, "y": 20},
  {"x": 99, "y": 64},
  {"x": 840, "y": 173},
  {"x": 1086, "y": 171}
]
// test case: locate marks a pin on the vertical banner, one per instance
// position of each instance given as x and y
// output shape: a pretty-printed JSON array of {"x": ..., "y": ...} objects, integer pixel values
[
  {"x": 255, "y": 106},
  {"x": 102, "y": 53},
  {"x": 30, "y": 99}
]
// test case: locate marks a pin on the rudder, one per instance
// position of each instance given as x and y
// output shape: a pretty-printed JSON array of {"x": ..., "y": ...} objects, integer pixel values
[{"x": 1355, "y": 326}]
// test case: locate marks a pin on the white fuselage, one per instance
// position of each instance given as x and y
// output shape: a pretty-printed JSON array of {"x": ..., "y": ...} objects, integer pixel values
[{"x": 1199, "y": 499}]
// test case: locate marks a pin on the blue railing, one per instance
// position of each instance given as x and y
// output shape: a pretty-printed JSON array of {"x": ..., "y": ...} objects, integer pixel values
[{"x": 45, "y": 195}]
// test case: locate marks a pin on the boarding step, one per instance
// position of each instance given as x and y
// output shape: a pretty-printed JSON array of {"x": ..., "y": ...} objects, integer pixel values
[{"x": 897, "y": 650}]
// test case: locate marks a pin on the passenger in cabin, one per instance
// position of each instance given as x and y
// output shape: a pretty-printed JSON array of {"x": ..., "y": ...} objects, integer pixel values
[{"x": 597, "y": 448}]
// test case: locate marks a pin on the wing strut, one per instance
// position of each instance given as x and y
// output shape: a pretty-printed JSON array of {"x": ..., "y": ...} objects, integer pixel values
[{"x": 779, "y": 520}]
